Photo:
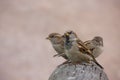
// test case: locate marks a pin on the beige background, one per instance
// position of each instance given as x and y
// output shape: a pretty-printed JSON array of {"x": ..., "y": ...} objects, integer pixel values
[{"x": 24, "y": 25}]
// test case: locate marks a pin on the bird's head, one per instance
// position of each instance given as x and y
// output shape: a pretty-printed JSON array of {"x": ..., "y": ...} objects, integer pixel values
[{"x": 54, "y": 37}]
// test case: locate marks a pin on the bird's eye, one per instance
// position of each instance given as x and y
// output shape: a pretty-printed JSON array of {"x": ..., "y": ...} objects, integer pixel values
[{"x": 52, "y": 36}]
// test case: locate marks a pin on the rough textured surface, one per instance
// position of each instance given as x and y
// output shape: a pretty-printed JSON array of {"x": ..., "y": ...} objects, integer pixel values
[{"x": 78, "y": 72}]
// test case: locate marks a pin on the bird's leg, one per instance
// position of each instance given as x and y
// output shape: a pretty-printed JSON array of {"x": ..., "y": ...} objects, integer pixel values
[
  {"x": 66, "y": 62},
  {"x": 58, "y": 55}
]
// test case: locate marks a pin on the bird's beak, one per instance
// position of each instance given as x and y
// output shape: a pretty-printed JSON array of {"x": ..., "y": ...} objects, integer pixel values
[
  {"x": 66, "y": 34},
  {"x": 47, "y": 38}
]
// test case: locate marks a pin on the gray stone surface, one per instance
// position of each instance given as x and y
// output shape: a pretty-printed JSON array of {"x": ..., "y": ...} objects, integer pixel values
[{"x": 78, "y": 72}]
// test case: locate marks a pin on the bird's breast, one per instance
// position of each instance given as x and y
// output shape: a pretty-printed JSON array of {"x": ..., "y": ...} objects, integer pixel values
[{"x": 59, "y": 48}]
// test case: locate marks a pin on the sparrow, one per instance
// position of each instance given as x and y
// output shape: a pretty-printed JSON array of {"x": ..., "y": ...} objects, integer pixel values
[
  {"x": 95, "y": 45},
  {"x": 76, "y": 50},
  {"x": 58, "y": 44}
]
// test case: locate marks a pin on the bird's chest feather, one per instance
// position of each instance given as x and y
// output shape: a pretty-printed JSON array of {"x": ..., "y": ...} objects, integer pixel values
[
  {"x": 59, "y": 48},
  {"x": 72, "y": 52}
]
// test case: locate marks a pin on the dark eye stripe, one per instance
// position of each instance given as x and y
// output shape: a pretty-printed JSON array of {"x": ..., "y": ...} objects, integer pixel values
[{"x": 52, "y": 36}]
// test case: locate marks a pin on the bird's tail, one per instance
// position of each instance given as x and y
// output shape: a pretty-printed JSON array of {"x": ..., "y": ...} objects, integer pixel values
[{"x": 98, "y": 64}]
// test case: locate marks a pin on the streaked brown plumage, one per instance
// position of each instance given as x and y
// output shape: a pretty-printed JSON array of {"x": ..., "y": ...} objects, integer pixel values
[{"x": 75, "y": 49}]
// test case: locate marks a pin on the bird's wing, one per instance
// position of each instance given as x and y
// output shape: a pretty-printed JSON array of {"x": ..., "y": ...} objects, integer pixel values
[
  {"x": 81, "y": 44},
  {"x": 83, "y": 48},
  {"x": 87, "y": 42}
]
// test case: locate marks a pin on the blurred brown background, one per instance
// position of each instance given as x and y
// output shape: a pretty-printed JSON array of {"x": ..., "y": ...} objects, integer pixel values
[{"x": 25, "y": 54}]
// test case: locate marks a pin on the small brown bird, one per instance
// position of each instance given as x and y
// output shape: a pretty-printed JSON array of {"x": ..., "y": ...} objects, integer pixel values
[
  {"x": 58, "y": 44},
  {"x": 76, "y": 51},
  {"x": 95, "y": 45}
]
